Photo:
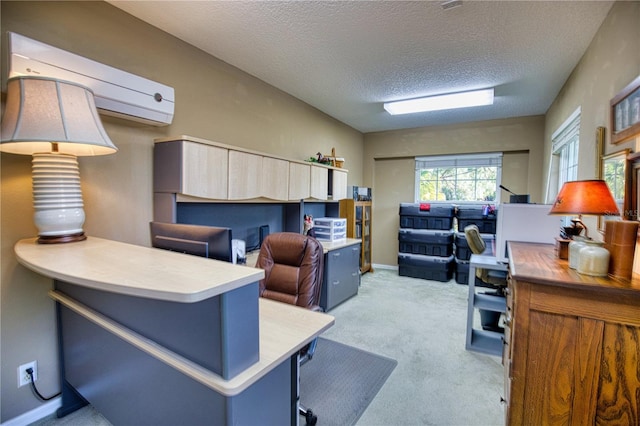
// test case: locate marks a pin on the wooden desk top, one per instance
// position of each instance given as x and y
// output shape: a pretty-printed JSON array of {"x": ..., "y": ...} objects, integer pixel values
[
  {"x": 539, "y": 263},
  {"x": 135, "y": 270}
]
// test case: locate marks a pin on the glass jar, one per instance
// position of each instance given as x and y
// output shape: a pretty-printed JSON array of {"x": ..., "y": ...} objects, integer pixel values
[
  {"x": 576, "y": 244},
  {"x": 593, "y": 259}
]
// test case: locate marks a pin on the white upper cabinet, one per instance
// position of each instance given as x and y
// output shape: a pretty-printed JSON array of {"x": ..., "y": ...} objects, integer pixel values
[
  {"x": 319, "y": 182},
  {"x": 299, "y": 181},
  {"x": 339, "y": 184},
  {"x": 204, "y": 170},
  {"x": 196, "y": 169},
  {"x": 245, "y": 175},
  {"x": 275, "y": 179}
]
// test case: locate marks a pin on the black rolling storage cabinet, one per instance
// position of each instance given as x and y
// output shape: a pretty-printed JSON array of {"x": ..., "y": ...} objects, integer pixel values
[
  {"x": 484, "y": 217},
  {"x": 425, "y": 238}
]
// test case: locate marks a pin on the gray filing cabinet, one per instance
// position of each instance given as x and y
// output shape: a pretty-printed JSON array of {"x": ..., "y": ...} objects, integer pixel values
[{"x": 341, "y": 276}]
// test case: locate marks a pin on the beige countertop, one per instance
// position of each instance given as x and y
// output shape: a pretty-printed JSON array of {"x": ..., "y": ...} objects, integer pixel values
[
  {"x": 284, "y": 329},
  {"x": 334, "y": 245},
  {"x": 160, "y": 274},
  {"x": 135, "y": 270},
  {"x": 327, "y": 246}
]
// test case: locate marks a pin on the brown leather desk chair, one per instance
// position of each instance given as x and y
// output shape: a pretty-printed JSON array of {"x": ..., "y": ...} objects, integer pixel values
[{"x": 293, "y": 265}]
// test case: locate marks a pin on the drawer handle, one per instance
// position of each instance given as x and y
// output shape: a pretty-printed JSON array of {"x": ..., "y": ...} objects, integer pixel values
[
  {"x": 336, "y": 282},
  {"x": 354, "y": 274},
  {"x": 336, "y": 254}
]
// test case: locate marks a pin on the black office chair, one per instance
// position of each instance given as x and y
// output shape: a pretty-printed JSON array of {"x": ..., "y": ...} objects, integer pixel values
[
  {"x": 496, "y": 280},
  {"x": 293, "y": 265}
]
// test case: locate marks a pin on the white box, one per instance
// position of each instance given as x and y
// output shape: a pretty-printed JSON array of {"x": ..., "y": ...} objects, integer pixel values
[
  {"x": 329, "y": 236},
  {"x": 331, "y": 222},
  {"x": 330, "y": 228},
  {"x": 530, "y": 223}
]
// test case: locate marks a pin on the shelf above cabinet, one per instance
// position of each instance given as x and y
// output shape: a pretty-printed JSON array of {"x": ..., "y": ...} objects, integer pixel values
[{"x": 490, "y": 302}]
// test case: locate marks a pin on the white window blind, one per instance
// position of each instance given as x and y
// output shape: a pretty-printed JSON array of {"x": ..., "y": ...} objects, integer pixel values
[{"x": 476, "y": 160}]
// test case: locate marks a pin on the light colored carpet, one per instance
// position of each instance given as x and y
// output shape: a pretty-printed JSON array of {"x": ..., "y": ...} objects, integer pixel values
[{"x": 421, "y": 324}]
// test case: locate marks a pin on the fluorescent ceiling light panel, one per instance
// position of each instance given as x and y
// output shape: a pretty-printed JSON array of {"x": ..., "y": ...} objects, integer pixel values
[{"x": 440, "y": 102}]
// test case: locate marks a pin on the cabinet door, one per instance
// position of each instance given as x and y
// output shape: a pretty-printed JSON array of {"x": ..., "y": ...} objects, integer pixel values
[
  {"x": 275, "y": 178},
  {"x": 618, "y": 384},
  {"x": 354, "y": 261},
  {"x": 245, "y": 174},
  {"x": 341, "y": 278},
  {"x": 319, "y": 182},
  {"x": 299, "y": 181},
  {"x": 552, "y": 345},
  {"x": 204, "y": 171},
  {"x": 339, "y": 181},
  {"x": 365, "y": 214}
]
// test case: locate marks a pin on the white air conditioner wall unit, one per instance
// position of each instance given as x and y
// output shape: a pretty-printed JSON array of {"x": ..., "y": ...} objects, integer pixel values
[{"x": 117, "y": 93}]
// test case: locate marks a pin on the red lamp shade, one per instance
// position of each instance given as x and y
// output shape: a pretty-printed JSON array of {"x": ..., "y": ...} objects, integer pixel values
[{"x": 591, "y": 197}]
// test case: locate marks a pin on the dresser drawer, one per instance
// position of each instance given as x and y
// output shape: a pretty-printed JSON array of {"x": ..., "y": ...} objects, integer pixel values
[{"x": 341, "y": 276}]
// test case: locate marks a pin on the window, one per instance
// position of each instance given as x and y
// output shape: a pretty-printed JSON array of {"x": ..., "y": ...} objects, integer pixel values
[
  {"x": 459, "y": 178},
  {"x": 563, "y": 166}
]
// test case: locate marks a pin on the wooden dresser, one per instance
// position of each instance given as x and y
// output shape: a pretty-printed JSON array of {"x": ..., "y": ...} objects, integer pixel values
[{"x": 572, "y": 343}]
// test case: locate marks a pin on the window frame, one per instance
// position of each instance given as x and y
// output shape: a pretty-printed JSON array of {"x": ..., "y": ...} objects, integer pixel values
[
  {"x": 566, "y": 137},
  {"x": 458, "y": 161}
]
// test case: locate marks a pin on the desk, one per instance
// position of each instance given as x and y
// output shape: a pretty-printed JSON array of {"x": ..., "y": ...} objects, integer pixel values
[
  {"x": 157, "y": 337},
  {"x": 485, "y": 341},
  {"x": 572, "y": 350}
]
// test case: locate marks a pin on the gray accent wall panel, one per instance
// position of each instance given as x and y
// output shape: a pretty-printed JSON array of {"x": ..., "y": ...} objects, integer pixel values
[{"x": 198, "y": 331}]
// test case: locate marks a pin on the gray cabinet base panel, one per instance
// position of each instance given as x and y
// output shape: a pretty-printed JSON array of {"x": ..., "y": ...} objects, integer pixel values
[{"x": 128, "y": 386}]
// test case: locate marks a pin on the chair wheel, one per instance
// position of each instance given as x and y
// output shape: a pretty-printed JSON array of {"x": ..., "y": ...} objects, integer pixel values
[{"x": 311, "y": 418}]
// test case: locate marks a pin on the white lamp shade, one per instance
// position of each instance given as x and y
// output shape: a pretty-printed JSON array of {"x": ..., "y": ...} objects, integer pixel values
[
  {"x": 55, "y": 121},
  {"x": 41, "y": 111}
]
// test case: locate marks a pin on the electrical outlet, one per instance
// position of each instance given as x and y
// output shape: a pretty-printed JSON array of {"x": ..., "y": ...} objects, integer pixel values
[{"x": 23, "y": 376}]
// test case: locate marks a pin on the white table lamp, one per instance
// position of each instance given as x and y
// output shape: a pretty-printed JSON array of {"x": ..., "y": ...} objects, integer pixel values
[{"x": 54, "y": 121}]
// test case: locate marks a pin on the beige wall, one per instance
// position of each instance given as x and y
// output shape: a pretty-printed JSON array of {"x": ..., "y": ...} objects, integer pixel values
[
  {"x": 218, "y": 102},
  {"x": 389, "y": 166},
  {"x": 213, "y": 101},
  {"x": 610, "y": 63}
]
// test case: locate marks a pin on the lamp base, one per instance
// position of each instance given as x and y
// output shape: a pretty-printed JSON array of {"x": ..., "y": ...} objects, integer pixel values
[
  {"x": 58, "y": 239},
  {"x": 593, "y": 259},
  {"x": 57, "y": 198}
]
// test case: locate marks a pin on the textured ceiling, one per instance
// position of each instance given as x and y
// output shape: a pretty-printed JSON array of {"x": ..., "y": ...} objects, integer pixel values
[{"x": 348, "y": 57}]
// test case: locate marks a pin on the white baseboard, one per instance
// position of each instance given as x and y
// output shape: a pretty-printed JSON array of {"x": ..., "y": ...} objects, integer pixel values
[
  {"x": 381, "y": 266},
  {"x": 36, "y": 414}
]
